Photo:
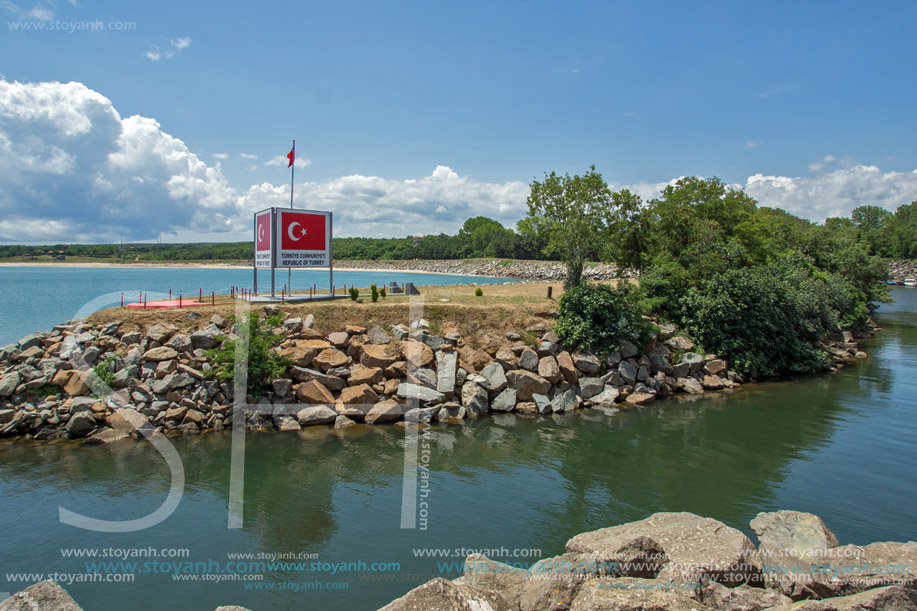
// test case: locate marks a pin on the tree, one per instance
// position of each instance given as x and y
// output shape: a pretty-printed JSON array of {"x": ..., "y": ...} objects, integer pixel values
[{"x": 571, "y": 213}]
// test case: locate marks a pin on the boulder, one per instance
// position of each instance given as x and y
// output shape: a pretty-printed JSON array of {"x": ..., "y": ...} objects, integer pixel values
[
  {"x": 567, "y": 367},
  {"x": 282, "y": 387},
  {"x": 419, "y": 393},
  {"x": 640, "y": 398},
  {"x": 338, "y": 339},
  {"x": 417, "y": 354},
  {"x": 628, "y": 350},
  {"x": 542, "y": 403},
  {"x": 33, "y": 340},
  {"x": 107, "y": 436},
  {"x": 163, "y": 353},
  {"x": 696, "y": 548},
  {"x": 293, "y": 325},
  {"x": 566, "y": 401},
  {"x": 630, "y": 594},
  {"x": 441, "y": 595},
  {"x": 209, "y": 337},
  {"x": 78, "y": 384},
  {"x": 586, "y": 362},
  {"x": 42, "y": 596},
  {"x": 590, "y": 387},
  {"x": 501, "y": 584},
  {"x": 743, "y": 598},
  {"x": 80, "y": 425},
  {"x": 360, "y": 374},
  {"x": 690, "y": 386},
  {"x": 361, "y": 395},
  {"x": 495, "y": 378},
  {"x": 316, "y": 414},
  {"x": 329, "y": 359},
  {"x": 528, "y": 360},
  {"x": 160, "y": 332},
  {"x": 715, "y": 367},
  {"x": 384, "y": 411},
  {"x": 475, "y": 358},
  {"x": 526, "y": 384},
  {"x": 474, "y": 399},
  {"x": 507, "y": 358},
  {"x": 301, "y": 356},
  {"x": 713, "y": 382},
  {"x": 377, "y": 335},
  {"x": 129, "y": 420},
  {"x": 9, "y": 383},
  {"x": 380, "y": 355},
  {"x": 694, "y": 360},
  {"x": 606, "y": 398},
  {"x": 505, "y": 401},
  {"x": 343, "y": 422},
  {"x": 173, "y": 381},
  {"x": 552, "y": 583},
  {"x": 791, "y": 533},
  {"x": 330, "y": 382},
  {"x": 446, "y": 368},
  {"x": 679, "y": 342},
  {"x": 314, "y": 392},
  {"x": 628, "y": 372},
  {"x": 549, "y": 369},
  {"x": 889, "y": 598}
]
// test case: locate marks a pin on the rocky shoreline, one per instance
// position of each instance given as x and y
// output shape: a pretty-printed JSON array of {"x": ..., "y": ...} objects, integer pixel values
[
  {"x": 675, "y": 561},
  {"x": 101, "y": 384},
  {"x": 898, "y": 271},
  {"x": 535, "y": 271}
]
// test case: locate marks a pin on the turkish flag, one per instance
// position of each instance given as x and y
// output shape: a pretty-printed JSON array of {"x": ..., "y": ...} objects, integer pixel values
[
  {"x": 263, "y": 232},
  {"x": 302, "y": 231},
  {"x": 291, "y": 156}
]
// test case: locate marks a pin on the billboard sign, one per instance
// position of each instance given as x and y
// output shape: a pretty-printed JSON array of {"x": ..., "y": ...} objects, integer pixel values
[
  {"x": 264, "y": 236},
  {"x": 303, "y": 238}
]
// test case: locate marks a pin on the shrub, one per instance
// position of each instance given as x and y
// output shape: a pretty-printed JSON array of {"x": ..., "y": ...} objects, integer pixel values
[
  {"x": 765, "y": 320},
  {"x": 599, "y": 317},
  {"x": 354, "y": 293},
  {"x": 103, "y": 371},
  {"x": 374, "y": 292},
  {"x": 264, "y": 364},
  {"x": 382, "y": 292},
  {"x": 479, "y": 292}
]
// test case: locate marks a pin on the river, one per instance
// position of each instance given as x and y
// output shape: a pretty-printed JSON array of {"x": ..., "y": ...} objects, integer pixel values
[{"x": 840, "y": 446}]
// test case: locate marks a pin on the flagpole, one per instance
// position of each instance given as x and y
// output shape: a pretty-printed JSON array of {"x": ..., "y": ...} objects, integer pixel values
[{"x": 292, "y": 174}]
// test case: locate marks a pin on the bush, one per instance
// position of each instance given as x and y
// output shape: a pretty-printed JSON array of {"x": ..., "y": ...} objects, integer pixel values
[
  {"x": 103, "y": 371},
  {"x": 374, "y": 292},
  {"x": 264, "y": 364},
  {"x": 766, "y": 320},
  {"x": 382, "y": 292},
  {"x": 354, "y": 293},
  {"x": 479, "y": 292},
  {"x": 599, "y": 317}
]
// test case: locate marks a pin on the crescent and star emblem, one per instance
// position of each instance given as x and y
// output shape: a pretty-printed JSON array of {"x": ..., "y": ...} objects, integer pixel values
[{"x": 302, "y": 231}]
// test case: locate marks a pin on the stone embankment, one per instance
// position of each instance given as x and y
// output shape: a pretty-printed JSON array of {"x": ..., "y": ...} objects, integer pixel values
[
  {"x": 521, "y": 270},
  {"x": 901, "y": 270},
  {"x": 102, "y": 384},
  {"x": 675, "y": 561}
]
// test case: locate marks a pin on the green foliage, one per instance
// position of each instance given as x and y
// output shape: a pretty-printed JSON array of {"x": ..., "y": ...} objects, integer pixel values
[
  {"x": 599, "y": 317},
  {"x": 374, "y": 292},
  {"x": 103, "y": 370},
  {"x": 767, "y": 320},
  {"x": 47, "y": 390},
  {"x": 382, "y": 292},
  {"x": 570, "y": 214},
  {"x": 354, "y": 293},
  {"x": 479, "y": 292},
  {"x": 264, "y": 364}
]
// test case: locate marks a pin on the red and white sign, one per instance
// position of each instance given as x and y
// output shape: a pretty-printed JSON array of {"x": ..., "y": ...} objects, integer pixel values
[
  {"x": 304, "y": 238},
  {"x": 263, "y": 236}
]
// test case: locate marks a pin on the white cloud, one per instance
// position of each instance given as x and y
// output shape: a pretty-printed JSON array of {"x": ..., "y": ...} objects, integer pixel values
[
  {"x": 181, "y": 43},
  {"x": 38, "y": 13},
  {"x": 750, "y": 144},
  {"x": 283, "y": 161},
  {"x": 176, "y": 45},
  {"x": 221, "y": 155},
  {"x": 153, "y": 54},
  {"x": 834, "y": 193},
  {"x": 247, "y": 156},
  {"x": 821, "y": 164},
  {"x": 74, "y": 170}
]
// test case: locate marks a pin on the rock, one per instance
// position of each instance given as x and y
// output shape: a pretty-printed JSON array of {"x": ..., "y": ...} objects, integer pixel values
[
  {"x": 181, "y": 343},
  {"x": 587, "y": 363},
  {"x": 361, "y": 396},
  {"x": 690, "y": 386},
  {"x": 440, "y": 595},
  {"x": 528, "y": 360},
  {"x": 693, "y": 359},
  {"x": 417, "y": 354},
  {"x": 666, "y": 330},
  {"x": 173, "y": 381},
  {"x": 6, "y": 415},
  {"x": 505, "y": 401},
  {"x": 549, "y": 369},
  {"x": 743, "y": 598},
  {"x": 176, "y": 412},
  {"x": 679, "y": 342},
  {"x": 234, "y": 607},
  {"x": 446, "y": 367},
  {"x": 473, "y": 358},
  {"x": 301, "y": 356},
  {"x": 380, "y": 355},
  {"x": 384, "y": 411},
  {"x": 548, "y": 349},
  {"x": 889, "y": 598},
  {"x": 316, "y": 414},
  {"x": 495, "y": 378},
  {"x": 628, "y": 350},
  {"x": 43, "y": 596},
  {"x": 659, "y": 363},
  {"x": 507, "y": 358},
  {"x": 282, "y": 387},
  {"x": 78, "y": 384},
  {"x": 542, "y": 403},
  {"x": 160, "y": 332},
  {"x": 286, "y": 422},
  {"x": 474, "y": 399},
  {"x": 343, "y": 422},
  {"x": 209, "y": 337},
  {"x": 107, "y": 436},
  {"x": 330, "y": 382},
  {"x": 527, "y": 384},
  {"x": 419, "y": 393},
  {"x": 640, "y": 398},
  {"x": 590, "y": 387},
  {"x": 566, "y": 401},
  {"x": 81, "y": 404},
  {"x": 129, "y": 420},
  {"x": 9, "y": 383},
  {"x": 697, "y": 548},
  {"x": 715, "y": 367},
  {"x": 330, "y": 358},
  {"x": 80, "y": 425},
  {"x": 364, "y": 375},
  {"x": 314, "y": 392},
  {"x": 552, "y": 584},
  {"x": 90, "y": 354},
  {"x": 791, "y": 533},
  {"x": 309, "y": 322},
  {"x": 163, "y": 353},
  {"x": 377, "y": 335},
  {"x": 338, "y": 339},
  {"x": 501, "y": 584},
  {"x": 629, "y": 594},
  {"x": 713, "y": 383},
  {"x": 567, "y": 367},
  {"x": 33, "y": 340},
  {"x": 628, "y": 372},
  {"x": 607, "y": 397}
]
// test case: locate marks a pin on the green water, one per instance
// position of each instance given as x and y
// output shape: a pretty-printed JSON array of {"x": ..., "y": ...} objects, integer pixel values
[{"x": 840, "y": 446}]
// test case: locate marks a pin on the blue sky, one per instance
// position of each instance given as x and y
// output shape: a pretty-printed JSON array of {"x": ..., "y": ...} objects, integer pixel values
[{"x": 815, "y": 97}]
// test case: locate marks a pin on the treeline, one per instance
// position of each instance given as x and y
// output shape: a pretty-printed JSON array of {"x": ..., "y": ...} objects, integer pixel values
[{"x": 756, "y": 285}]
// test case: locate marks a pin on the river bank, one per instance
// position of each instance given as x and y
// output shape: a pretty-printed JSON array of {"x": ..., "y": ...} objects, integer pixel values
[{"x": 106, "y": 381}]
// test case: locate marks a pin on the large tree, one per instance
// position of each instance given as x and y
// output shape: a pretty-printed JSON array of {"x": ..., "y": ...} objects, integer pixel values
[{"x": 570, "y": 214}]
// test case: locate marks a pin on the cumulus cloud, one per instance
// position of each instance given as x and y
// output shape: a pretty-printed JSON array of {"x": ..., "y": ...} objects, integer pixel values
[
  {"x": 176, "y": 45},
  {"x": 221, "y": 155},
  {"x": 821, "y": 164},
  {"x": 74, "y": 170},
  {"x": 834, "y": 193}
]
